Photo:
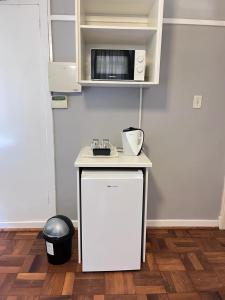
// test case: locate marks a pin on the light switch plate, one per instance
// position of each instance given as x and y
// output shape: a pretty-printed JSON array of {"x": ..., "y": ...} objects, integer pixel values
[{"x": 197, "y": 102}]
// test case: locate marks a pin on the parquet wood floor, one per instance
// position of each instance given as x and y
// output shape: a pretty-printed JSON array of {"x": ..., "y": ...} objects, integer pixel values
[{"x": 180, "y": 265}]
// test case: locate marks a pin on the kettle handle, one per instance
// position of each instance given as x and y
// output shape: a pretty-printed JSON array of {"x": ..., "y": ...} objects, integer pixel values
[{"x": 141, "y": 141}]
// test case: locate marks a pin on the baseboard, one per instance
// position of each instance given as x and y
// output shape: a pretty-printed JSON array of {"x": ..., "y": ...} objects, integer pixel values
[
  {"x": 150, "y": 223},
  {"x": 182, "y": 223},
  {"x": 222, "y": 211},
  {"x": 22, "y": 224}
]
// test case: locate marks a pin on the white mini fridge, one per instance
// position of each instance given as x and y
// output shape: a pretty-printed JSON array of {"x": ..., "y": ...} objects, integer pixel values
[{"x": 111, "y": 220}]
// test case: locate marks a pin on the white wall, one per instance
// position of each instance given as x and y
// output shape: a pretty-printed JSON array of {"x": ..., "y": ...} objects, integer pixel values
[{"x": 26, "y": 139}]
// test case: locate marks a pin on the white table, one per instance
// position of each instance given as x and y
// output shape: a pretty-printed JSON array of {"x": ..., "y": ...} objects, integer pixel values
[{"x": 123, "y": 162}]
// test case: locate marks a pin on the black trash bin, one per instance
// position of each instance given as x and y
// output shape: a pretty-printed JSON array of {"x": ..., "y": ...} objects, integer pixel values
[{"x": 58, "y": 233}]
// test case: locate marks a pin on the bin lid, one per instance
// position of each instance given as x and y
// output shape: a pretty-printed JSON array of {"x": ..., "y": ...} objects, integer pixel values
[{"x": 56, "y": 228}]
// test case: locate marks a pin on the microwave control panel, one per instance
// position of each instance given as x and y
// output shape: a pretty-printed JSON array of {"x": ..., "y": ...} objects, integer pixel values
[{"x": 139, "y": 66}]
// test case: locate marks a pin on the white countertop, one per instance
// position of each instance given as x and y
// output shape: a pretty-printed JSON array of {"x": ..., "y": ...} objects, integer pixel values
[{"x": 122, "y": 161}]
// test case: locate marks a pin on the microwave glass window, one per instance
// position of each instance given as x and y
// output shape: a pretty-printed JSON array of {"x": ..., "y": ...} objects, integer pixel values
[{"x": 112, "y": 64}]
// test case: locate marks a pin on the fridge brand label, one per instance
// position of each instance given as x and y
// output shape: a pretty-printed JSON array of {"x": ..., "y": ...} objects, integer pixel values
[
  {"x": 50, "y": 249},
  {"x": 112, "y": 186}
]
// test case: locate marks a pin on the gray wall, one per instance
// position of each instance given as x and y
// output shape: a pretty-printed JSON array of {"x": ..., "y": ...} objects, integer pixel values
[
  {"x": 195, "y": 9},
  {"x": 187, "y": 146}
]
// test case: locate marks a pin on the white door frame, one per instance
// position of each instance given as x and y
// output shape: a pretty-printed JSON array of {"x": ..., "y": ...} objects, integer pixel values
[
  {"x": 222, "y": 212},
  {"x": 43, "y": 9},
  {"x": 43, "y": 5}
]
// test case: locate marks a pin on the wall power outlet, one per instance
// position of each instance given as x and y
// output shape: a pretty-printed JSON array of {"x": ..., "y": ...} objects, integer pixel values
[{"x": 197, "y": 101}]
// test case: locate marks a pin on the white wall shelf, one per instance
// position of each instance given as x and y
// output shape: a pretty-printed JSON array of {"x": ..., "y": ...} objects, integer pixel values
[
  {"x": 119, "y": 24},
  {"x": 102, "y": 83},
  {"x": 146, "y": 9},
  {"x": 115, "y": 27},
  {"x": 117, "y": 35}
]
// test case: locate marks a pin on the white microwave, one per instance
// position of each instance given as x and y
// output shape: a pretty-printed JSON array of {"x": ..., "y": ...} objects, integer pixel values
[{"x": 113, "y": 64}]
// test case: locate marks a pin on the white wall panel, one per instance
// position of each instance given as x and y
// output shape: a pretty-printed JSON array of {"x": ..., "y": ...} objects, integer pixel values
[{"x": 24, "y": 156}]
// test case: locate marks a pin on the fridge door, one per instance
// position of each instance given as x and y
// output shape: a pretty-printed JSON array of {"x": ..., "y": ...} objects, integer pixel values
[{"x": 111, "y": 214}]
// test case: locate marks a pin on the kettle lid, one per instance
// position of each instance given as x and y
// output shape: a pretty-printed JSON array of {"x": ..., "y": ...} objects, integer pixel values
[{"x": 130, "y": 129}]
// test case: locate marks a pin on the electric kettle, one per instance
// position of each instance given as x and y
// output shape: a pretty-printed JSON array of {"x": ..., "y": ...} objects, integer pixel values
[{"x": 133, "y": 139}]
